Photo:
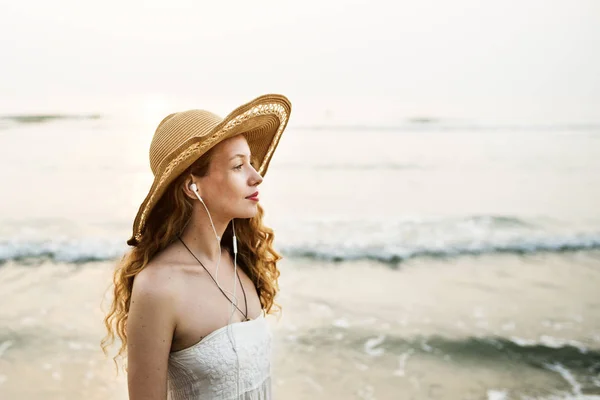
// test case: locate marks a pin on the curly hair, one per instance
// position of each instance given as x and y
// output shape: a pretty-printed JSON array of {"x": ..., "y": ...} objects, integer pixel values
[{"x": 256, "y": 256}]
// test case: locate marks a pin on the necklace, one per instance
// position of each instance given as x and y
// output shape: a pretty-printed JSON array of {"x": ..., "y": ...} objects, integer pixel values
[{"x": 245, "y": 314}]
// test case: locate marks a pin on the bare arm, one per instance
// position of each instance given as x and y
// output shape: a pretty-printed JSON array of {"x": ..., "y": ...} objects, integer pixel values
[{"x": 150, "y": 327}]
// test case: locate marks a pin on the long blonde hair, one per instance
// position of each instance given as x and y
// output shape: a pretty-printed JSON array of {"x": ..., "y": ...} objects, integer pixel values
[{"x": 256, "y": 256}]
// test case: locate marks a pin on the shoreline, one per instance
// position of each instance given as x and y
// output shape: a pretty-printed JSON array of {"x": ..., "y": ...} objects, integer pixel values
[{"x": 431, "y": 329}]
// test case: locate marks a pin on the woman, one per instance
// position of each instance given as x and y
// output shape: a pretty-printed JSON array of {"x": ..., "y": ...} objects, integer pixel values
[{"x": 190, "y": 298}]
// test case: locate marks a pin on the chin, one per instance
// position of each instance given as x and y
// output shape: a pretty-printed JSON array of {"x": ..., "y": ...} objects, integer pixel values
[{"x": 248, "y": 213}]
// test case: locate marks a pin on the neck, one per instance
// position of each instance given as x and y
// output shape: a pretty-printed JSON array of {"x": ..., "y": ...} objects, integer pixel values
[{"x": 199, "y": 235}]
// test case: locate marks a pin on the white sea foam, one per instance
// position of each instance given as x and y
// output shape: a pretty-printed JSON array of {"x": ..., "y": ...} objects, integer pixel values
[
  {"x": 389, "y": 243},
  {"x": 371, "y": 346},
  {"x": 497, "y": 394},
  {"x": 567, "y": 375},
  {"x": 402, "y": 359},
  {"x": 341, "y": 323},
  {"x": 4, "y": 346},
  {"x": 550, "y": 341}
]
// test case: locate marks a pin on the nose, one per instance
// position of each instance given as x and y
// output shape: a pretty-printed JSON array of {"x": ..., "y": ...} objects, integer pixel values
[{"x": 257, "y": 178}]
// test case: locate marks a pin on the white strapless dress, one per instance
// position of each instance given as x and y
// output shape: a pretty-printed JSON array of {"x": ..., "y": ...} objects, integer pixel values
[{"x": 208, "y": 369}]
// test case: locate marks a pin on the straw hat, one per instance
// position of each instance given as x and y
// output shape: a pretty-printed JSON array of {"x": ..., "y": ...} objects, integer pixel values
[{"x": 181, "y": 138}]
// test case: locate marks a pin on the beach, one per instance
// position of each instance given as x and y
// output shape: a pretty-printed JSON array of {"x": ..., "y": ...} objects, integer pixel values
[
  {"x": 437, "y": 260},
  {"x": 435, "y": 194},
  {"x": 478, "y": 328}
]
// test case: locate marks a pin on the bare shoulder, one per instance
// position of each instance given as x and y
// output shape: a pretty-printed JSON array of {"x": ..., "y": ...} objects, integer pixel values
[
  {"x": 160, "y": 278},
  {"x": 150, "y": 327}
]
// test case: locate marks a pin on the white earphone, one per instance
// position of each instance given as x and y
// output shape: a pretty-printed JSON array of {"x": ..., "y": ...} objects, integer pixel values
[{"x": 194, "y": 188}]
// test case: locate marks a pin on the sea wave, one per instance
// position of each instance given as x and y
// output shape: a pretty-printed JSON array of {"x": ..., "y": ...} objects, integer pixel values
[
  {"x": 396, "y": 254},
  {"x": 90, "y": 249},
  {"x": 562, "y": 360},
  {"x": 330, "y": 240},
  {"x": 15, "y": 120},
  {"x": 63, "y": 250},
  {"x": 440, "y": 125},
  {"x": 40, "y": 118}
]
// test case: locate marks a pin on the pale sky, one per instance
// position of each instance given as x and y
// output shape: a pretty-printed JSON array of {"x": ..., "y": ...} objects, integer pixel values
[{"x": 382, "y": 60}]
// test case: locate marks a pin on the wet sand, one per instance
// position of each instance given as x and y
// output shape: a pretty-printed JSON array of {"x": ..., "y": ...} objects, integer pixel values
[{"x": 490, "y": 327}]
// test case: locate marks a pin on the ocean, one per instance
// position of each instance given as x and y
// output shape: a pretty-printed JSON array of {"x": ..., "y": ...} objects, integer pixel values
[{"x": 427, "y": 259}]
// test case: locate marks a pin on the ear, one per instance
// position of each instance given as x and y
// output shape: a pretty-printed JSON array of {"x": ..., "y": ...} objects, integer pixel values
[{"x": 188, "y": 190}]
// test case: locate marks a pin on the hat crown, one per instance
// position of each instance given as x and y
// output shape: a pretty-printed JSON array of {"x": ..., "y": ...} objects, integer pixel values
[{"x": 175, "y": 130}]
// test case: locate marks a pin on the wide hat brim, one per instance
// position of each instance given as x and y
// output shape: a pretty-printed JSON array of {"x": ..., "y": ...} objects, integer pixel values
[{"x": 262, "y": 121}]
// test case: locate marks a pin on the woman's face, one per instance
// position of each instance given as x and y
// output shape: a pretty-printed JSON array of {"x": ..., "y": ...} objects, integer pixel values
[{"x": 231, "y": 179}]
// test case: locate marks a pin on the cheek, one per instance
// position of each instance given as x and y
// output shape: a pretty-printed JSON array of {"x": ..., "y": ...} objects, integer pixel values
[
  {"x": 230, "y": 187},
  {"x": 234, "y": 187}
]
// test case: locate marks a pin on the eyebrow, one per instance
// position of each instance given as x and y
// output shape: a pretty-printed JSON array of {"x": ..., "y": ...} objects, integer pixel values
[{"x": 239, "y": 155}]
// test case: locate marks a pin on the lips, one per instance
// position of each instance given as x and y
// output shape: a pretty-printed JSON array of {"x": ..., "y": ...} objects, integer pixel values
[{"x": 255, "y": 194}]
